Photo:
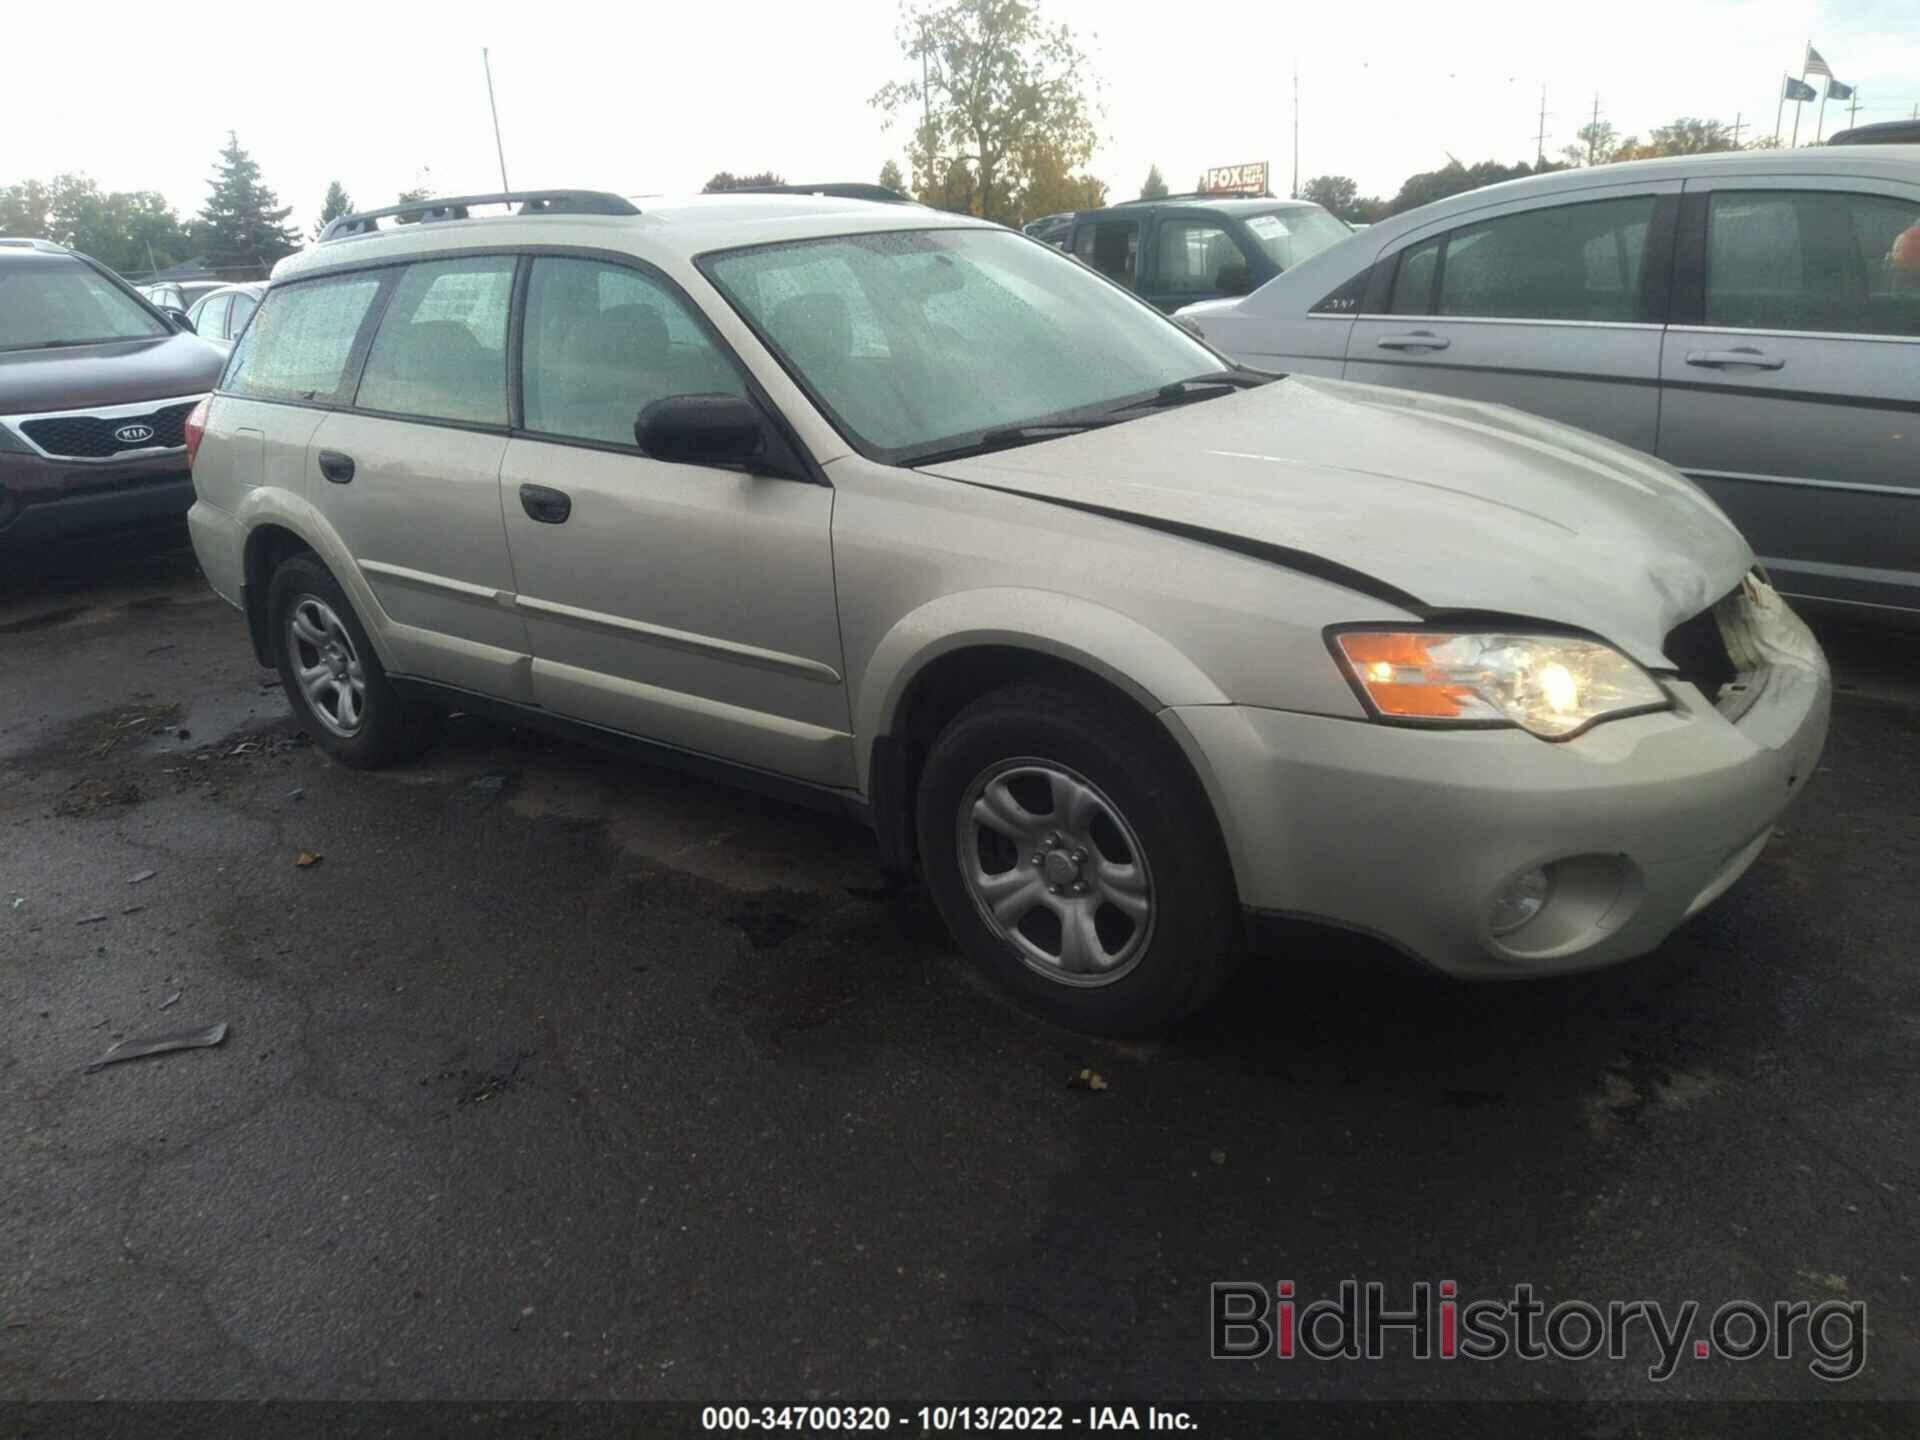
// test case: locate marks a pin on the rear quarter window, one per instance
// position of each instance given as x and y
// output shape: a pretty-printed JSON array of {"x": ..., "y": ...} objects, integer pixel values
[{"x": 300, "y": 342}]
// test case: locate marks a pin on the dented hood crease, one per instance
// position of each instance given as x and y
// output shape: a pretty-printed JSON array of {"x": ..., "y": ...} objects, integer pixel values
[{"x": 1467, "y": 506}]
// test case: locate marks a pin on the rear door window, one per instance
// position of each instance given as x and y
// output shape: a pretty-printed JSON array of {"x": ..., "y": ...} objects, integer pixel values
[
  {"x": 243, "y": 306},
  {"x": 1191, "y": 256},
  {"x": 1563, "y": 262},
  {"x": 1413, "y": 279},
  {"x": 209, "y": 317},
  {"x": 1112, "y": 247},
  {"x": 300, "y": 343},
  {"x": 1813, "y": 260},
  {"x": 441, "y": 350}
]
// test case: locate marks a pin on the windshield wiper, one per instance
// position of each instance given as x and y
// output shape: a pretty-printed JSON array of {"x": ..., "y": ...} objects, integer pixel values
[
  {"x": 1199, "y": 387},
  {"x": 1010, "y": 437}
]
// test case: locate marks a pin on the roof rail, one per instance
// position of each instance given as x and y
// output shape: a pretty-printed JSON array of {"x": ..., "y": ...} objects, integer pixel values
[
  {"x": 46, "y": 247},
  {"x": 836, "y": 189},
  {"x": 1198, "y": 195},
  {"x": 455, "y": 207}
]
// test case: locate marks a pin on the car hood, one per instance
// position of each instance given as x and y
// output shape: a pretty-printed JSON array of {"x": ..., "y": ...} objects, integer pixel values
[
  {"x": 1461, "y": 506},
  {"x": 119, "y": 372}
]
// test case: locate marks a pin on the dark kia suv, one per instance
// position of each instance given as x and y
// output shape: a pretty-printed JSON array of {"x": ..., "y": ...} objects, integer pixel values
[{"x": 95, "y": 388}]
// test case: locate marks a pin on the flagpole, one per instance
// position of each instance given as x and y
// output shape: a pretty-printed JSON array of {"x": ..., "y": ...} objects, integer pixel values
[
  {"x": 1820, "y": 121},
  {"x": 1781, "y": 108},
  {"x": 1798, "y": 103}
]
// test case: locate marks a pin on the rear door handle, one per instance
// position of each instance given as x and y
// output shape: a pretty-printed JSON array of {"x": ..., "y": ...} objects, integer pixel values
[
  {"x": 1418, "y": 340},
  {"x": 549, "y": 507},
  {"x": 1741, "y": 356},
  {"x": 336, "y": 467}
]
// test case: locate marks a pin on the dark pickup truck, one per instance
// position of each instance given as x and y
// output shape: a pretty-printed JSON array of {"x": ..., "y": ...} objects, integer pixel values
[
  {"x": 95, "y": 387},
  {"x": 1175, "y": 251}
]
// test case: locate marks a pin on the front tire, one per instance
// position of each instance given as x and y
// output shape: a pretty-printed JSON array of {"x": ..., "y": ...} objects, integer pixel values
[
  {"x": 1076, "y": 859},
  {"x": 335, "y": 681}
]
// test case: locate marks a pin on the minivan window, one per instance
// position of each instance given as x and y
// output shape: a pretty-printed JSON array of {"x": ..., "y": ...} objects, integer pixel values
[
  {"x": 1813, "y": 260},
  {"x": 982, "y": 330},
  {"x": 298, "y": 346},
  {"x": 66, "y": 302},
  {"x": 1564, "y": 262},
  {"x": 441, "y": 348},
  {"x": 602, "y": 343},
  {"x": 1290, "y": 236}
]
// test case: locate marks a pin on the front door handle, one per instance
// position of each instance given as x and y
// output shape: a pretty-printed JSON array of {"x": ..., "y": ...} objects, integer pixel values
[
  {"x": 549, "y": 507},
  {"x": 1740, "y": 356},
  {"x": 1418, "y": 340},
  {"x": 336, "y": 467}
]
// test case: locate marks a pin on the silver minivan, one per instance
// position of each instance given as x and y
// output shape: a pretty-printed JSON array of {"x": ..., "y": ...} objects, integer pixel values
[{"x": 1751, "y": 318}]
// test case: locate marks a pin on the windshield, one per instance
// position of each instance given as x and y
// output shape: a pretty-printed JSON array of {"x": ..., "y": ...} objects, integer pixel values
[
  {"x": 66, "y": 302},
  {"x": 918, "y": 340},
  {"x": 1290, "y": 236}
]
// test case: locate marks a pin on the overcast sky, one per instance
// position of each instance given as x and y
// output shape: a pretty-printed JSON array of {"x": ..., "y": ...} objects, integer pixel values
[{"x": 654, "y": 98}]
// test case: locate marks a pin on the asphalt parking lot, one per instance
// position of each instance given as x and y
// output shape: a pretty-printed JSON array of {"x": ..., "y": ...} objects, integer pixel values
[{"x": 558, "y": 1078}]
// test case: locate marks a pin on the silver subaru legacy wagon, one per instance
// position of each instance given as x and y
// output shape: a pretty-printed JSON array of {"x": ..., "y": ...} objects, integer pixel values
[{"x": 1130, "y": 651}]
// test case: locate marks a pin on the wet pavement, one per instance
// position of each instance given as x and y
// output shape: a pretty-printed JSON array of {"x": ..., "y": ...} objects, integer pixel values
[{"x": 550, "y": 1076}]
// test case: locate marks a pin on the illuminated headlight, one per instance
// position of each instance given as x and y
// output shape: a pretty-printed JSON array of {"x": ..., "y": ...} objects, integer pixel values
[{"x": 1551, "y": 685}]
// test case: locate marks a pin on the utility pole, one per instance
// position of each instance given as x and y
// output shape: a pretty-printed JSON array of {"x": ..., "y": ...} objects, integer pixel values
[
  {"x": 1540, "y": 138},
  {"x": 1593, "y": 132},
  {"x": 1738, "y": 126},
  {"x": 1853, "y": 106},
  {"x": 1296, "y": 127},
  {"x": 498, "y": 150}
]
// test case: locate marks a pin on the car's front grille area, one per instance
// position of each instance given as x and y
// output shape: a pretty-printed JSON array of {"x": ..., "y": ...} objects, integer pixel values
[
  {"x": 1699, "y": 653},
  {"x": 99, "y": 437}
]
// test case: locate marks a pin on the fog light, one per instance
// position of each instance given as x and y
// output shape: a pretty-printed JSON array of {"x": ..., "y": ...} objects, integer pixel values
[{"x": 1518, "y": 901}]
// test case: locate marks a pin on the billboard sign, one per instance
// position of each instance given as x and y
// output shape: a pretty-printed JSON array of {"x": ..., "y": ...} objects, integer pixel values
[{"x": 1238, "y": 177}]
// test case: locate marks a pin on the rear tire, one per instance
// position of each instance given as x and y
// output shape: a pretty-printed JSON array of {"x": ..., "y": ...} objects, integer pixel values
[
  {"x": 1076, "y": 859},
  {"x": 335, "y": 681}
]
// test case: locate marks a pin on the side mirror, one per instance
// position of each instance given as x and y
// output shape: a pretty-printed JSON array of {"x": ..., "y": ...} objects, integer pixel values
[
  {"x": 702, "y": 430},
  {"x": 1233, "y": 280},
  {"x": 179, "y": 318}
]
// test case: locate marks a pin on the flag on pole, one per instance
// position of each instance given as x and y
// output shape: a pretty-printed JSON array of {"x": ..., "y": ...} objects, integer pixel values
[
  {"x": 1815, "y": 65},
  {"x": 1799, "y": 90},
  {"x": 1837, "y": 91}
]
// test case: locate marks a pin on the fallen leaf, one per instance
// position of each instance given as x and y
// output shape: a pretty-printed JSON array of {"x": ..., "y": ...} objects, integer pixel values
[
  {"x": 308, "y": 860},
  {"x": 142, "y": 875}
]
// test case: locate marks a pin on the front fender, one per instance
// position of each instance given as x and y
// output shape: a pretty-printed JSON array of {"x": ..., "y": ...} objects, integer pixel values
[{"x": 1116, "y": 647}]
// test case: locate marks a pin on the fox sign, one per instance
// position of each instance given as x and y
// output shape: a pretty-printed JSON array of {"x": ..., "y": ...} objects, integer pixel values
[{"x": 1238, "y": 177}]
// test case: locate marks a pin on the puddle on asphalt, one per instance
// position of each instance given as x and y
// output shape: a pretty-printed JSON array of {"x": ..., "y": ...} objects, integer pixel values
[{"x": 209, "y": 719}]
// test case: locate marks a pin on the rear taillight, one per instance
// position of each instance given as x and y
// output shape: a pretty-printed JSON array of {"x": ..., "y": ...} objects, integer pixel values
[{"x": 196, "y": 429}]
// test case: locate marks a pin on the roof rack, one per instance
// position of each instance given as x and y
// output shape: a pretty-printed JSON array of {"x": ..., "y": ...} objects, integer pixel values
[
  {"x": 455, "y": 207},
  {"x": 836, "y": 189},
  {"x": 45, "y": 247}
]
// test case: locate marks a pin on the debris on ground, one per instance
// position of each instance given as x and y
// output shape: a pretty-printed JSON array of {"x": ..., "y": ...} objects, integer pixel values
[
  {"x": 298, "y": 792},
  {"x": 489, "y": 784},
  {"x": 141, "y": 877},
  {"x": 1087, "y": 1080},
  {"x": 137, "y": 1048},
  {"x": 170, "y": 1001},
  {"x": 19, "y": 901},
  {"x": 91, "y": 919},
  {"x": 1218, "y": 1157},
  {"x": 307, "y": 859}
]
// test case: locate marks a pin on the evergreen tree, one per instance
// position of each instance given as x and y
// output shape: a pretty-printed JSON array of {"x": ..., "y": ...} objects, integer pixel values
[
  {"x": 891, "y": 177},
  {"x": 1156, "y": 187},
  {"x": 243, "y": 224},
  {"x": 337, "y": 203}
]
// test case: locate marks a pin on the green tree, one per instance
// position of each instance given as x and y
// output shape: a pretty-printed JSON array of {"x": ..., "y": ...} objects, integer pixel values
[
  {"x": 1155, "y": 187},
  {"x": 1688, "y": 136},
  {"x": 1599, "y": 144},
  {"x": 994, "y": 89},
  {"x": 727, "y": 180},
  {"x": 1050, "y": 188},
  {"x": 26, "y": 210},
  {"x": 337, "y": 203},
  {"x": 1453, "y": 178},
  {"x": 243, "y": 225},
  {"x": 1336, "y": 194},
  {"x": 892, "y": 179}
]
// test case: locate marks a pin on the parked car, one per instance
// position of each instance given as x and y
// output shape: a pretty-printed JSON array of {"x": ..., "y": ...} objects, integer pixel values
[
  {"x": 1181, "y": 249},
  {"x": 95, "y": 388},
  {"x": 1884, "y": 132},
  {"x": 1752, "y": 318},
  {"x": 1055, "y": 230},
  {"x": 220, "y": 315},
  {"x": 899, "y": 513},
  {"x": 178, "y": 294}
]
